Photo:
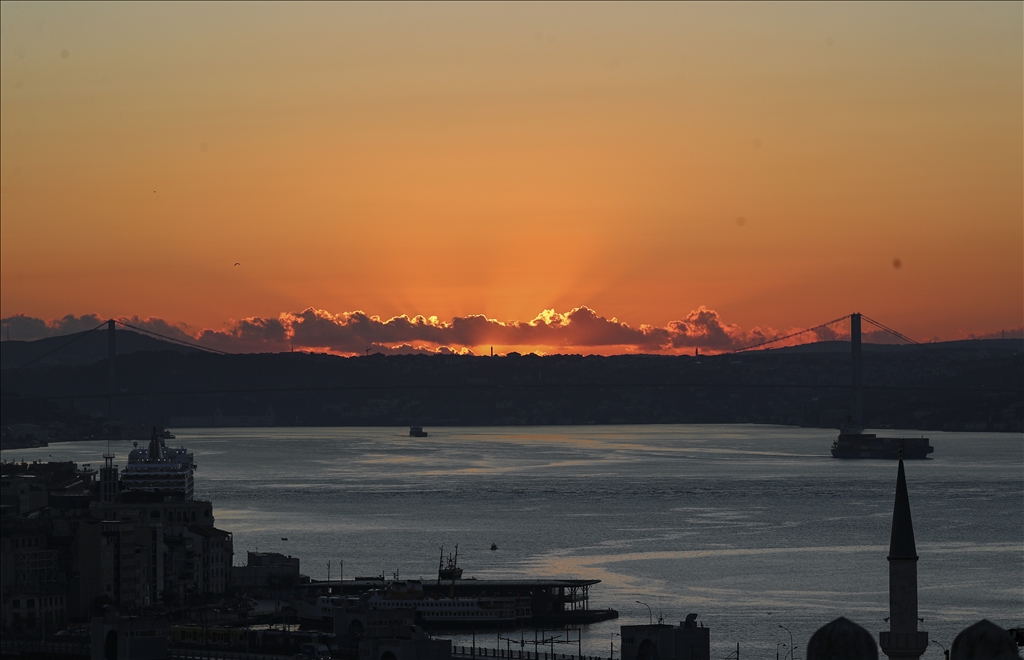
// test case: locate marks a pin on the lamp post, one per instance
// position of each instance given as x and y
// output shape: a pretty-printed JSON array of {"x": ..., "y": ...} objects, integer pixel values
[
  {"x": 777, "y": 649},
  {"x": 790, "y": 652},
  {"x": 650, "y": 614},
  {"x": 611, "y": 646}
]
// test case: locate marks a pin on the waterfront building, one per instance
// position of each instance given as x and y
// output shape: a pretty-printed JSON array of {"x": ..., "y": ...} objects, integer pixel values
[
  {"x": 29, "y": 572},
  {"x": 662, "y": 641},
  {"x": 70, "y": 544},
  {"x": 391, "y": 635},
  {"x": 267, "y": 570},
  {"x": 113, "y": 636}
]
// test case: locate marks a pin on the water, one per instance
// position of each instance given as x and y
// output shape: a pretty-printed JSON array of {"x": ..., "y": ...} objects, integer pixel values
[{"x": 752, "y": 527}]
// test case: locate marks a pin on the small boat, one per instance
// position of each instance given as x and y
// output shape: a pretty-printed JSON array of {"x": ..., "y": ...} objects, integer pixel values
[
  {"x": 417, "y": 432},
  {"x": 494, "y": 546},
  {"x": 284, "y": 538}
]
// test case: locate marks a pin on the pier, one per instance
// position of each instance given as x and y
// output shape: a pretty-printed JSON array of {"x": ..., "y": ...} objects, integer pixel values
[
  {"x": 470, "y": 653},
  {"x": 553, "y": 601}
]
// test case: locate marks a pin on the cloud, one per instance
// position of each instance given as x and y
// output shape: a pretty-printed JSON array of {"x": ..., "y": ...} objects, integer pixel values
[
  {"x": 160, "y": 327},
  {"x": 580, "y": 330},
  {"x": 251, "y": 335},
  {"x": 27, "y": 328},
  {"x": 354, "y": 332}
]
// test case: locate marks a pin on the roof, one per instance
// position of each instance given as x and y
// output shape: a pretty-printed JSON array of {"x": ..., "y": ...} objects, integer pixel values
[
  {"x": 471, "y": 584},
  {"x": 901, "y": 541}
]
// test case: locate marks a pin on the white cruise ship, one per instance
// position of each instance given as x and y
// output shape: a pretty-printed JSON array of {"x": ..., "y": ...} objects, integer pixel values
[{"x": 159, "y": 468}]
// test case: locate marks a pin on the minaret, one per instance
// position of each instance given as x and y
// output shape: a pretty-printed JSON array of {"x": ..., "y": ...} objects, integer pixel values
[{"x": 903, "y": 641}]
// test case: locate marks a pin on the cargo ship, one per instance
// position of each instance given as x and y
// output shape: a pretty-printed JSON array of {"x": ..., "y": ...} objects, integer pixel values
[
  {"x": 868, "y": 445},
  {"x": 853, "y": 442}
]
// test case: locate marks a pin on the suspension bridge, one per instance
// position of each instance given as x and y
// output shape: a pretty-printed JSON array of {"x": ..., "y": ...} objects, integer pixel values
[{"x": 684, "y": 377}]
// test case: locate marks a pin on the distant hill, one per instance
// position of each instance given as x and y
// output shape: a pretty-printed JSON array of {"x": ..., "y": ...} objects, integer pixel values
[
  {"x": 90, "y": 348},
  {"x": 967, "y": 385},
  {"x": 959, "y": 346}
]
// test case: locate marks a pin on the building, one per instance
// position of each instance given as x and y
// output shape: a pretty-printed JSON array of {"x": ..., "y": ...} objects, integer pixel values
[
  {"x": 266, "y": 570},
  {"x": 70, "y": 544},
  {"x": 116, "y": 637},
  {"x": 391, "y": 635},
  {"x": 688, "y": 641}
]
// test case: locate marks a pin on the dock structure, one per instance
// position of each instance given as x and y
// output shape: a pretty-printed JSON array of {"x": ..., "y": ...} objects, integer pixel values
[{"x": 553, "y": 601}]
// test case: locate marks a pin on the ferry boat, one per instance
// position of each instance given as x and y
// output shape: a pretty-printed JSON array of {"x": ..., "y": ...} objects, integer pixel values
[
  {"x": 455, "y": 612},
  {"x": 868, "y": 445},
  {"x": 159, "y": 468},
  {"x": 452, "y": 612}
]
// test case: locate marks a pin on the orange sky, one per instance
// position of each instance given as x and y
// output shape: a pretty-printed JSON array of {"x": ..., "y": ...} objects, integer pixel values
[{"x": 502, "y": 159}]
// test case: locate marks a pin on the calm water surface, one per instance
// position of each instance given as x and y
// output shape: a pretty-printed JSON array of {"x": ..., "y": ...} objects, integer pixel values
[{"x": 749, "y": 526}]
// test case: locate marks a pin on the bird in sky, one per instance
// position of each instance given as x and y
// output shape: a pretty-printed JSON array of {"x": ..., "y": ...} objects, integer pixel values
[{"x": 237, "y": 264}]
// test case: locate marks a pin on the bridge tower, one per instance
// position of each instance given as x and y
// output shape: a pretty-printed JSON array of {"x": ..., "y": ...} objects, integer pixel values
[
  {"x": 857, "y": 401},
  {"x": 111, "y": 374}
]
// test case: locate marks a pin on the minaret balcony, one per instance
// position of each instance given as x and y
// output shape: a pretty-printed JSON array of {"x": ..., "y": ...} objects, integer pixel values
[{"x": 903, "y": 644}]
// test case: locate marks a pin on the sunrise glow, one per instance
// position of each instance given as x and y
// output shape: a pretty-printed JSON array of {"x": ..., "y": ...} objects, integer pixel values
[{"x": 533, "y": 177}]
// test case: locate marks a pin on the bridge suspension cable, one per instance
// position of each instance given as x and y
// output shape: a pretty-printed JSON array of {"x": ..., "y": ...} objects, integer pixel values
[
  {"x": 789, "y": 336},
  {"x": 67, "y": 343},
  {"x": 900, "y": 335},
  {"x": 175, "y": 340}
]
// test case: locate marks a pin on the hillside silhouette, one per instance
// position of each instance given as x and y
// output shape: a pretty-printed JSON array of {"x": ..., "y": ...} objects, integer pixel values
[
  {"x": 964, "y": 385},
  {"x": 84, "y": 348}
]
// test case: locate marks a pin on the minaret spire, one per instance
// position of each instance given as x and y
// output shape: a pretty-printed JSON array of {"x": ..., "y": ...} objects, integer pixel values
[{"x": 902, "y": 641}]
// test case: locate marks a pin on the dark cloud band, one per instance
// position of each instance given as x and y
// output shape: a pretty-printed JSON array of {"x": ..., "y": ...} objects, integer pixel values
[{"x": 581, "y": 330}]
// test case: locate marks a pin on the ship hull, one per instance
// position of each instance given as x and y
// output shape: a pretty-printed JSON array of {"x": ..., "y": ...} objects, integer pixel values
[{"x": 870, "y": 446}]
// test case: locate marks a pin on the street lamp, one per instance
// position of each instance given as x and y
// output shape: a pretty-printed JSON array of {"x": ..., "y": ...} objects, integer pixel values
[
  {"x": 790, "y": 652},
  {"x": 611, "y": 646},
  {"x": 777, "y": 649},
  {"x": 650, "y": 614}
]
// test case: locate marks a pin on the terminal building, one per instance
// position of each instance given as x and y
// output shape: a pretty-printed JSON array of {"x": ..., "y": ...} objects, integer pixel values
[{"x": 661, "y": 641}]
